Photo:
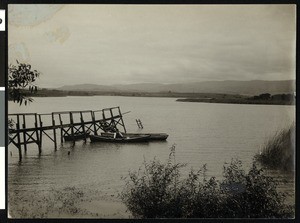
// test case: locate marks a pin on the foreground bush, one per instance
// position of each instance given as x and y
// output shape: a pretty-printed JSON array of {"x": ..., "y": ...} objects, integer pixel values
[
  {"x": 157, "y": 191},
  {"x": 278, "y": 153}
]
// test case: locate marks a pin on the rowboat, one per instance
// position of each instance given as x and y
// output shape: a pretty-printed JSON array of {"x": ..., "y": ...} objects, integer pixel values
[
  {"x": 152, "y": 136},
  {"x": 127, "y": 139},
  {"x": 77, "y": 136}
]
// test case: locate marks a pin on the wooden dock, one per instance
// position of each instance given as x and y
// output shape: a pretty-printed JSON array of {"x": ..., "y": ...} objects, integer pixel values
[{"x": 31, "y": 127}]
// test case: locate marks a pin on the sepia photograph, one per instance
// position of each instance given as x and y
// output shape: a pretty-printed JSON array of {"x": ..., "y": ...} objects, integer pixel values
[{"x": 131, "y": 111}]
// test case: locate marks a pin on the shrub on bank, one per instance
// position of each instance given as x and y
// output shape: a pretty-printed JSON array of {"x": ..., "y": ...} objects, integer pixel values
[
  {"x": 278, "y": 152},
  {"x": 158, "y": 191}
]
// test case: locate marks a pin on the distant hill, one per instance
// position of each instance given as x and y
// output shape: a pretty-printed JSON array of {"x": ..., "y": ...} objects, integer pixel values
[
  {"x": 254, "y": 87},
  {"x": 143, "y": 87},
  {"x": 236, "y": 87},
  {"x": 86, "y": 87}
]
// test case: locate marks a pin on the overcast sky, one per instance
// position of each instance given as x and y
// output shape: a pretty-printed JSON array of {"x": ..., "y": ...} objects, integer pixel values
[{"x": 124, "y": 44}]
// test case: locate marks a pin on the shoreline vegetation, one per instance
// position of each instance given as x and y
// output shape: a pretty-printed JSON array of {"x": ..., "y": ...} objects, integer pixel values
[
  {"x": 279, "y": 151},
  {"x": 240, "y": 193},
  {"x": 238, "y": 101},
  {"x": 265, "y": 98}
]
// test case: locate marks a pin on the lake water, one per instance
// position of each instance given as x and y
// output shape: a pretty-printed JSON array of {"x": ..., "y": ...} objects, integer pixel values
[{"x": 204, "y": 133}]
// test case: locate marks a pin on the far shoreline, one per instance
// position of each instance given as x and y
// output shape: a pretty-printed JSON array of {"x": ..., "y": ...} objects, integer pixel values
[
  {"x": 246, "y": 102},
  {"x": 277, "y": 99}
]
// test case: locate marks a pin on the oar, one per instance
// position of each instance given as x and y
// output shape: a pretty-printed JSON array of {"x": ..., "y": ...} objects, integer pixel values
[{"x": 125, "y": 113}]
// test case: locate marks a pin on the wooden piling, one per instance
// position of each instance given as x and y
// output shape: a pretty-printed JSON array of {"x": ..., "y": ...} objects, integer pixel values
[
  {"x": 82, "y": 126},
  {"x": 94, "y": 122},
  {"x": 41, "y": 135},
  {"x": 24, "y": 133},
  {"x": 18, "y": 138},
  {"x": 112, "y": 115},
  {"x": 37, "y": 132},
  {"x": 54, "y": 132},
  {"x": 121, "y": 117},
  {"x": 61, "y": 129},
  {"x": 72, "y": 126}
]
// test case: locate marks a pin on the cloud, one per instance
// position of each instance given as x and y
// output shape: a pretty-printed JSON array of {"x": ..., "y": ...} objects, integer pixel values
[
  {"x": 111, "y": 44},
  {"x": 18, "y": 51},
  {"x": 60, "y": 34},
  {"x": 31, "y": 15}
]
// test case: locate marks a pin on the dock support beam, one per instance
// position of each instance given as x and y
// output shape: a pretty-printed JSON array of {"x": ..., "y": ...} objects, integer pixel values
[
  {"x": 82, "y": 126},
  {"x": 61, "y": 129},
  {"x": 54, "y": 132},
  {"x": 72, "y": 127},
  {"x": 121, "y": 117},
  {"x": 94, "y": 122},
  {"x": 37, "y": 133},
  {"x": 24, "y": 134},
  {"x": 18, "y": 138},
  {"x": 41, "y": 134}
]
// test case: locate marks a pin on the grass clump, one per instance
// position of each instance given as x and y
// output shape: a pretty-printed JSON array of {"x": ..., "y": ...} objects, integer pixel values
[
  {"x": 55, "y": 203},
  {"x": 278, "y": 153},
  {"x": 158, "y": 191}
]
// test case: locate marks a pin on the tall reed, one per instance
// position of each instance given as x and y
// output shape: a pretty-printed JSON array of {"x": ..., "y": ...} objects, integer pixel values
[{"x": 279, "y": 151}]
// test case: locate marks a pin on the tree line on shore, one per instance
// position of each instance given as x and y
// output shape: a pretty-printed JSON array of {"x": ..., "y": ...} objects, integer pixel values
[{"x": 275, "y": 97}]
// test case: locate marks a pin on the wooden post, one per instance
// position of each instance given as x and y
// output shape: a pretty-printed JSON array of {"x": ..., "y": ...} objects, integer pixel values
[
  {"x": 61, "y": 130},
  {"x": 103, "y": 114},
  {"x": 111, "y": 113},
  {"x": 41, "y": 134},
  {"x": 72, "y": 127},
  {"x": 24, "y": 133},
  {"x": 37, "y": 132},
  {"x": 94, "y": 122},
  {"x": 82, "y": 126},
  {"x": 54, "y": 132},
  {"x": 18, "y": 138},
  {"x": 113, "y": 120},
  {"x": 122, "y": 119}
]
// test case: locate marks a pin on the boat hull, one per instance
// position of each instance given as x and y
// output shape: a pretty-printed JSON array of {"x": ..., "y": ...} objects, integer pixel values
[
  {"x": 153, "y": 136},
  {"x": 99, "y": 138},
  {"x": 76, "y": 137}
]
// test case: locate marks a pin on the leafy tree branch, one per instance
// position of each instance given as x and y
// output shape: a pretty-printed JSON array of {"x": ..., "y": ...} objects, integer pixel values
[{"x": 21, "y": 79}]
